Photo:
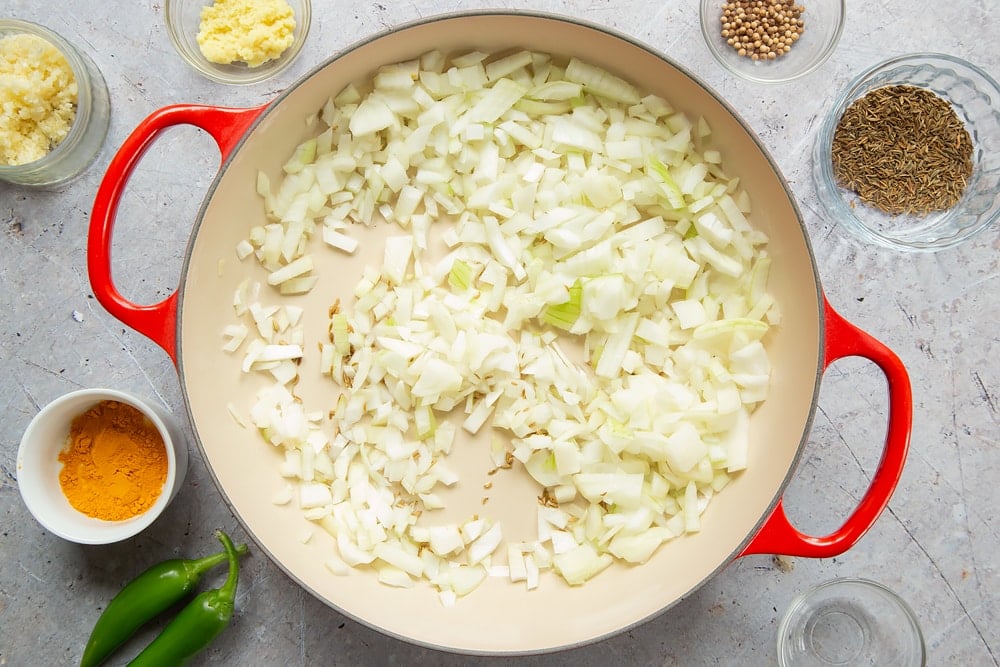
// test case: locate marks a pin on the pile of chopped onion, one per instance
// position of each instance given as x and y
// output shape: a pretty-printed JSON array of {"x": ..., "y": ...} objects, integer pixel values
[{"x": 602, "y": 304}]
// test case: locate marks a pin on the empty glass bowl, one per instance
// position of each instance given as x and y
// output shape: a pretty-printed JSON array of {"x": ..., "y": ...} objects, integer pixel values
[
  {"x": 823, "y": 25},
  {"x": 850, "y": 622},
  {"x": 975, "y": 98},
  {"x": 183, "y": 18}
]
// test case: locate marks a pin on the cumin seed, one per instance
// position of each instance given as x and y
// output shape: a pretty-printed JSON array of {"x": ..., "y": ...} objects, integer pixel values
[{"x": 903, "y": 150}]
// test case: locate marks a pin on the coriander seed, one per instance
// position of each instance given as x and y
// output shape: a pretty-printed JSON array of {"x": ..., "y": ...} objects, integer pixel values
[{"x": 761, "y": 29}]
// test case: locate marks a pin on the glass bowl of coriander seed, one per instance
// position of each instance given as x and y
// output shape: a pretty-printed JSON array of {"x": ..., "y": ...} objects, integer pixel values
[
  {"x": 772, "y": 41},
  {"x": 908, "y": 157}
]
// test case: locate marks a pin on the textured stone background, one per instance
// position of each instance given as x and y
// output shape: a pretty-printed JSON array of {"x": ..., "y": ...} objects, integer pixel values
[{"x": 937, "y": 545}]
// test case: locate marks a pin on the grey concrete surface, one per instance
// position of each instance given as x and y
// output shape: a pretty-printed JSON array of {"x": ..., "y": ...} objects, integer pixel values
[{"x": 938, "y": 545}]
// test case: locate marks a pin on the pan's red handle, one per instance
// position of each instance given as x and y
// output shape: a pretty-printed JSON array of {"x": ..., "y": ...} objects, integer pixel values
[
  {"x": 778, "y": 535},
  {"x": 157, "y": 321}
]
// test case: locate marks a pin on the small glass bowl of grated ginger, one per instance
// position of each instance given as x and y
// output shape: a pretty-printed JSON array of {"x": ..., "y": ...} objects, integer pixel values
[
  {"x": 98, "y": 466},
  {"x": 238, "y": 41},
  {"x": 60, "y": 103}
]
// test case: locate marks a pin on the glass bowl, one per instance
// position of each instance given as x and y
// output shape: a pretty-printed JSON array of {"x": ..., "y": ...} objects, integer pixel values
[
  {"x": 824, "y": 23},
  {"x": 183, "y": 18},
  {"x": 850, "y": 622},
  {"x": 80, "y": 147},
  {"x": 39, "y": 467},
  {"x": 975, "y": 98}
]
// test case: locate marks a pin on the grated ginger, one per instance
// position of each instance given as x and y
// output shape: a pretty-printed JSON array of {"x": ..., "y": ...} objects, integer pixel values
[
  {"x": 38, "y": 97},
  {"x": 249, "y": 31}
]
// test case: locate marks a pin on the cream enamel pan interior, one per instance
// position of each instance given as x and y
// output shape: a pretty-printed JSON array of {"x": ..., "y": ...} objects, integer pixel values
[
  {"x": 499, "y": 617},
  {"x": 246, "y": 470}
]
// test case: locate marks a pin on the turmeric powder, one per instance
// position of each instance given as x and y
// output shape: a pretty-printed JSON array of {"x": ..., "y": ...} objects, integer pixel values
[{"x": 115, "y": 462}]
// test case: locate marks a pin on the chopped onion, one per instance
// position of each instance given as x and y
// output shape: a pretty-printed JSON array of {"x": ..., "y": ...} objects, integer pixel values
[{"x": 576, "y": 212}]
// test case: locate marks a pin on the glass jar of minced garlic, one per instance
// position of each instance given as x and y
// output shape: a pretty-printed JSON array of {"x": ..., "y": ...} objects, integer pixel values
[{"x": 54, "y": 106}]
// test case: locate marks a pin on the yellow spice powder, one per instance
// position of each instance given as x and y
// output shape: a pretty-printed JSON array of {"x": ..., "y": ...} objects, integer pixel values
[
  {"x": 38, "y": 96},
  {"x": 249, "y": 31}
]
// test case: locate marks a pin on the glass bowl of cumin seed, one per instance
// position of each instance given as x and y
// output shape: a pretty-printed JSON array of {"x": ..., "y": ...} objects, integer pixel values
[{"x": 909, "y": 155}]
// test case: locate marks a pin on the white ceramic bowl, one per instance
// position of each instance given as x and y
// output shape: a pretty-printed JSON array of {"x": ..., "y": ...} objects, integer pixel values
[{"x": 38, "y": 468}]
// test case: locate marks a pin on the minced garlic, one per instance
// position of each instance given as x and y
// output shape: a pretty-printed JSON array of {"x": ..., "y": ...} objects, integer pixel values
[
  {"x": 249, "y": 31},
  {"x": 38, "y": 96}
]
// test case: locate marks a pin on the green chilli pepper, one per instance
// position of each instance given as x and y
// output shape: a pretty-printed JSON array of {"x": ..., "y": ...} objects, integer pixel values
[
  {"x": 197, "y": 624},
  {"x": 149, "y": 594}
]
